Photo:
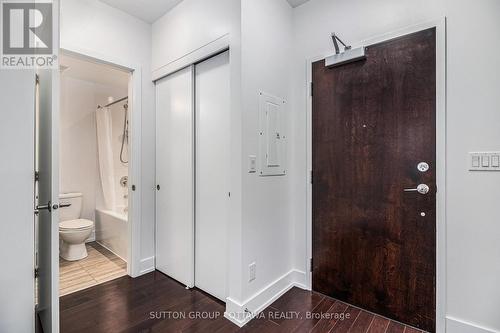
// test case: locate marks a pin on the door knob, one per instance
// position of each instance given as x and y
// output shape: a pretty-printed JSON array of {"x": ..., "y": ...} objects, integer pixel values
[
  {"x": 50, "y": 207},
  {"x": 422, "y": 189}
]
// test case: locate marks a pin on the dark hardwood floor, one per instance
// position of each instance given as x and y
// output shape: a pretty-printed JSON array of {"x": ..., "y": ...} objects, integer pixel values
[{"x": 156, "y": 303}]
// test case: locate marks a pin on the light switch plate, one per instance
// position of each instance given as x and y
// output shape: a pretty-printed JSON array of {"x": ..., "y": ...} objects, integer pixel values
[
  {"x": 252, "y": 164},
  {"x": 484, "y": 161},
  {"x": 495, "y": 161}
]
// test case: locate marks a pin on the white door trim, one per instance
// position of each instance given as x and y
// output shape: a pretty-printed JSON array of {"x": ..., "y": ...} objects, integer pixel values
[
  {"x": 206, "y": 51},
  {"x": 134, "y": 200},
  {"x": 440, "y": 25}
]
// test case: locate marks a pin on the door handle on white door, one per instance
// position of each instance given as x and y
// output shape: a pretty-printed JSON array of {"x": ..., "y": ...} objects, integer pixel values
[
  {"x": 50, "y": 207},
  {"x": 422, "y": 189}
]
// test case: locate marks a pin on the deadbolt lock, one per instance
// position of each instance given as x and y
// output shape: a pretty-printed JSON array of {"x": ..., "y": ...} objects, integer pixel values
[{"x": 423, "y": 167}]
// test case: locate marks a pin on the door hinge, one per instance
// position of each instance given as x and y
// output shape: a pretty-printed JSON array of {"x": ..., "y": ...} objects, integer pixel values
[
  {"x": 37, "y": 272},
  {"x": 312, "y": 89},
  {"x": 311, "y": 264},
  {"x": 37, "y": 79},
  {"x": 37, "y": 176},
  {"x": 311, "y": 180}
]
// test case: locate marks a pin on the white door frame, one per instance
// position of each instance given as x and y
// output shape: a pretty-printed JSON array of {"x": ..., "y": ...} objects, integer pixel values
[
  {"x": 440, "y": 26},
  {"x": 135, "y": 100}
]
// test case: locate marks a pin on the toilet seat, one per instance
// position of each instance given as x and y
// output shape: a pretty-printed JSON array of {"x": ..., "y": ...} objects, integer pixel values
[{"x": 79, "y": 224}]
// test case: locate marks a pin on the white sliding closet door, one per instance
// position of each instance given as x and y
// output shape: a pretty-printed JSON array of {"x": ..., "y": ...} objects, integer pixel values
[
  {"x": 174, "y": 173},
  {"x": 212, "y": 105}
]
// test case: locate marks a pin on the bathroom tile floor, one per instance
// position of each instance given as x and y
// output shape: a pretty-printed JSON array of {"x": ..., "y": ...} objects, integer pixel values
[{"x": 100, "y": 266}]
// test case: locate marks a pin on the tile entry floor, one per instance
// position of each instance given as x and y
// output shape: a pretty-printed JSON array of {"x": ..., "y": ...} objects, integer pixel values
[{"x": 100, "y": 266}]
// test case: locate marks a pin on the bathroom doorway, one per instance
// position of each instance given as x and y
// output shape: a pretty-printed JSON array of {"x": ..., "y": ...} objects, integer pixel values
[
  {"x": 94, "y": 158},
  {"x": 70, "y": 105}
]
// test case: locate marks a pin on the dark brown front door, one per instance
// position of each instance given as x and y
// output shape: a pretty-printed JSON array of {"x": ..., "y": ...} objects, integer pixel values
[{"x": 374, "y": 121}]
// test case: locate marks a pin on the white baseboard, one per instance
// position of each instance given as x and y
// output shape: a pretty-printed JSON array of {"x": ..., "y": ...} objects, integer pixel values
[
  {"x": 454, "y": 325},
  {"x": 110, "y": 250},
  {"x": 241, "y": 313},
  {"x": 146, "y": 265}
]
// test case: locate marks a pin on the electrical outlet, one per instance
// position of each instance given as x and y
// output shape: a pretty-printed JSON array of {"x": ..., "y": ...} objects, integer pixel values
[{"x": 252, "y": 271}]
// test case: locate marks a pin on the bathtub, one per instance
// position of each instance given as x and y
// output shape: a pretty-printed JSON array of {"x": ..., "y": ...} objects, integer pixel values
[{"x": 111, "y": 230}]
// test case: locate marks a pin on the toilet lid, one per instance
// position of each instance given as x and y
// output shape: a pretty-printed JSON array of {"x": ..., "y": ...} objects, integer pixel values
[{"x": 75, "y": 224}]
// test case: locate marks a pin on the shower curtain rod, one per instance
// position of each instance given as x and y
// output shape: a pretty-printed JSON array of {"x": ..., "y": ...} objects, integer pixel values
[{"x": 115, "y": 102}]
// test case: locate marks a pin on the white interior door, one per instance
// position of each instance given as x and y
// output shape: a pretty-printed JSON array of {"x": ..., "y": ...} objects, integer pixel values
[
  {"x": 212, "y": 105},
  {"x": 47, "y": 198},
  {"x": 17, "y": 282},
  {"x": 174, "y": 173}
]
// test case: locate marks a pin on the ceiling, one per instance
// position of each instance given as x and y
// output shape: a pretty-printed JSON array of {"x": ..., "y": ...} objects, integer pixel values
[
  {"x": 296, "y": 3},
  {"x": 146, "y": 10},
  {"x": 89, "y": 71},
  {"x": 151, "y": 10}
]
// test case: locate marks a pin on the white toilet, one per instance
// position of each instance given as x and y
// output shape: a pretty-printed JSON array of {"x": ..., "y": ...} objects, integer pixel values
[{"x": 73, "y": 231}]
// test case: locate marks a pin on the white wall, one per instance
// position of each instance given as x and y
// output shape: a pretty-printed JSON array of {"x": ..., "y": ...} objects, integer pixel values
[
  {"x": 266, "y": 36},
  {"x": 189, "y": 26},
  {"x": 473, "y": 119},
  {"x": 90, "y": 26},
  {"x": 79, "y": 169},
  {"x": 473, "y": 229}
]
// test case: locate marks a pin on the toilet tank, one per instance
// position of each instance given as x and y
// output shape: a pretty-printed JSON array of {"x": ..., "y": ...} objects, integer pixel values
[{"x": 74, "y": 211}]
